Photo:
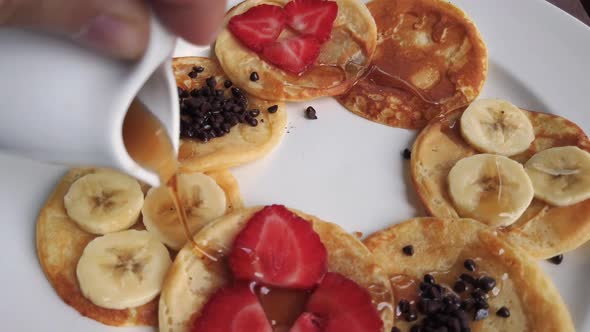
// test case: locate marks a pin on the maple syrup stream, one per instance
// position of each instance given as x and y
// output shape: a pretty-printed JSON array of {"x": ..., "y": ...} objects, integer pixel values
[{"x": 147, "y": 143}]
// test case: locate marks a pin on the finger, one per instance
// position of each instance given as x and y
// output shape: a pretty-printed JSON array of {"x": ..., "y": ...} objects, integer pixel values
[
  {"x": 197, "y": 21},
  {"x": 117, "y": 27}
]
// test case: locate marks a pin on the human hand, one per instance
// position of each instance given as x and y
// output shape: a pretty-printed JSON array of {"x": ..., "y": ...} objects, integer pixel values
[{"x": 116, "y": 27}]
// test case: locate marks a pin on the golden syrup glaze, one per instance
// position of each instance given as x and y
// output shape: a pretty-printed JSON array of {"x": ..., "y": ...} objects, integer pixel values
[{"x": 430, "y": 59}]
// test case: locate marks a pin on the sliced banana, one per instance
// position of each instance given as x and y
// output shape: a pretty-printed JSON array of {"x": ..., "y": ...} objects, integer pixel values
[
  {"x": 123, "y": 270},
  {"x": 492, "y": 189},
  {"x": 203, "y": 199},
  {"x": 560, "y": 176},
  {"x": 104, "y": 202},
  {"x": 496, "y": 126}
]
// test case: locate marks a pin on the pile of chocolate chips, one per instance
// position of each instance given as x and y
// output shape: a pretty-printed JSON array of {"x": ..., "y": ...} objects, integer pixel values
[
  {"x": 446, "y": 310},
  {"x": 208, "y": 112}
]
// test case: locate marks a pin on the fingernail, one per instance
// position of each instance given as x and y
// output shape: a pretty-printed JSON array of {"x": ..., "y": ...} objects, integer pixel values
[{"x": 114, "y": 36}]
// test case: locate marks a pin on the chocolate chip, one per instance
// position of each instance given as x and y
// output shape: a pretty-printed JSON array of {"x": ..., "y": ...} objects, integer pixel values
[
  {"x": 556, "y": 259},
  {"x": 424, "y": 287},
  {"x": 451, "y": 304},
  {"x": 481, "y": 304},
  {"x": 182, "y": 93},
  {"x": 478, "y": 295},
  {"x": 236, "y": 91},
  {"x": 193, "y": 74},
  {"x": 411, "y": 316},
  {"x": 434, "y": 292},
  {"x": 467, "y": 304},
  {"x": 460, "y": 286},
  {"x": 480, "y": 314},
  {"x": 407, "y": 154},
  {"x": 470, "y": 265},
  {"x": 310, "y": 113},
  {"x": 395, "y": 329},
  {"x": 253, "y": 122},
  {"x": 503, "y": 312},
  {"x": 468, "y": 279},
  {"x": 199, "y": 69},
  {"x": 408, "y": 250},
  {"x": 227, "y": 84},
  {"x": 463, "y": 319},
  {"x": 211, "y": 82},
  {"x": 429, "y": 307},
  {"x": 404, "y": 306},
  {"x": 486, "y": 283},
  {"x": 453, "y": 324},
  {"x": 441, "y": 319},
  {"x": 254, "y": 76},
  {"x": 429, "y": 279},
  {"x": 273, "y": 109},
  {"x": 254, "y": 113}
]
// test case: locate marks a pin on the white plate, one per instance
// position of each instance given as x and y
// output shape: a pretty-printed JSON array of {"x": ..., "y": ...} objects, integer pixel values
[{"x": 340, "y": 167}]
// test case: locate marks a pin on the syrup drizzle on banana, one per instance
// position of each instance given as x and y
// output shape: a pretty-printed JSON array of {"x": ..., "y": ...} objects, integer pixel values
[
  {"x": 146, "y": 142},
  {"x": 495, "y": 189}
]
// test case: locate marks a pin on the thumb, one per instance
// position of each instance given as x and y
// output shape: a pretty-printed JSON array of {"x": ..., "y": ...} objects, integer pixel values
[{"x": 116, "y": 27}]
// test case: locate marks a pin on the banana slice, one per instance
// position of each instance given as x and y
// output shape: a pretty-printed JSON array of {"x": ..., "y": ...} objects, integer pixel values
[
  {"x": 104, "y": 202},
  {"x": 123, "y": 270},
  {"x": 560, "y": 176},
  {"x": 203, "y": 199},
  {"x": 490, "y": 188},
  {"x": 496, "y": 126}
]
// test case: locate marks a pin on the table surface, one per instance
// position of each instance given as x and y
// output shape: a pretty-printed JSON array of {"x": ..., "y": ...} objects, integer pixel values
[{"x": 574, "y": 7}]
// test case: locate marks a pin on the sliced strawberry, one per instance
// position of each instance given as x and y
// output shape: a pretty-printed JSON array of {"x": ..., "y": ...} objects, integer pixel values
[
  {"x": 312, "y": 17},
  {"x": 307, "y": 322},
  {"x": 294, "y": 54},
  {"x": 343, "y": 306},
  {"x": 278, "y": 248},
  {"x": 258, "y": 26},
  {"x": 232, "y": 309}
]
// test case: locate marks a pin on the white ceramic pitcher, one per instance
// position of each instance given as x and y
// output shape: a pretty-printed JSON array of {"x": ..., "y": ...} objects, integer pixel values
[{"x": 63, "y": 103}]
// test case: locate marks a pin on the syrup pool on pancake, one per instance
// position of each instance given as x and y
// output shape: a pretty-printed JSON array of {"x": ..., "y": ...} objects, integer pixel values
[{"x": 430, "y": 58}]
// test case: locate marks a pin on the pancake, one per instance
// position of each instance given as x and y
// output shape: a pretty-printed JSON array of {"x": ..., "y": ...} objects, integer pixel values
[
  {"x": 193, "y": 279},
  {"x": 60, "y": 243},
  {"x": 343, "y": 59},
  {"x": 430, "y": 58},
  {"x": 244, "y": 143},
  {"x": 440, "y": 248},
  {"x": 543, "y": 230}
]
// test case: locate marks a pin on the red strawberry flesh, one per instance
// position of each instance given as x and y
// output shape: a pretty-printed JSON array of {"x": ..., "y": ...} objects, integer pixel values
[
  {"x": 258, "y": 26},
  {"x": 312, "y": 17},
  {"x": 343, "y": 306},
  {"x": 294, "y": 54},
  {"x": 307, "y": 322},
  {"x": 232, "y": 309},
  {"x": 278, "y": 248}
]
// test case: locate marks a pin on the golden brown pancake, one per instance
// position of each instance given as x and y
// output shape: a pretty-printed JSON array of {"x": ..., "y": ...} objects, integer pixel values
[
  {"x": 440, "y": 248},
  {"x": 244, "y": 143},
  {"x": 543, "y": 230},
  {"x": 430, "y": 58},
  {"x": 343, "y": 59},
  {"x": 60, "y": 243},
  {"x": 193, "y": 278}
]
